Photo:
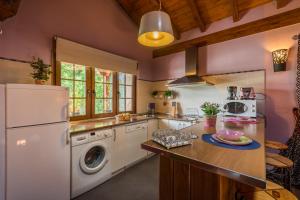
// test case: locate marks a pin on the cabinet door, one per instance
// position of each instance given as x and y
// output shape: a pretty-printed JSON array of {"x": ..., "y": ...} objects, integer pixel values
[
  {"x": 119, "y": 148},
  {"x": 163, "y": 124},
  {"x": 152, "y": 126},
  {"x": 133, "y": 141}
]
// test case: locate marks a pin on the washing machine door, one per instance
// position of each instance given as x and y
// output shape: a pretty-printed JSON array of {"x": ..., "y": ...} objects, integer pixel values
[{"x": 93, "y": 159}]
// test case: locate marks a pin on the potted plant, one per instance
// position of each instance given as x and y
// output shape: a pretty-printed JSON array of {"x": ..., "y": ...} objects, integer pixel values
[
  {"x": 155, "y": 94},
  {"x": 210, "y": 112},
  {"x": 168, "y": 94},
  {"x": 41, "y": 71}
]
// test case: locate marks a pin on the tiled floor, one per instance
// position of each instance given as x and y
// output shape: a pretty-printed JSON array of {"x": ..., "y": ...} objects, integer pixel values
[{"x": 139, "y": 182}]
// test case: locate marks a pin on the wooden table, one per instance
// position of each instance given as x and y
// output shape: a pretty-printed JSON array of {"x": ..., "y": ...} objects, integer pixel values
[{"x": 205, "y": 171}]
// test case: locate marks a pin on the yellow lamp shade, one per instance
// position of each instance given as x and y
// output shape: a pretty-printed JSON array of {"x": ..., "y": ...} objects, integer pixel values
[{"x": 155, "y": 29}]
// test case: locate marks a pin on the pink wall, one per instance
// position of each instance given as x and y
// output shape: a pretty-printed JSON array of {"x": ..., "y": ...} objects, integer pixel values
[
  {"x": 248, "y": 53},
  {"x": 98, "y": 23}
]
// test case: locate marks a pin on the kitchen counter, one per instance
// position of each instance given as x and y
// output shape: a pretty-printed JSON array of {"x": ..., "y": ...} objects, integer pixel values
[
  {"x": 81, "y": 126},
  {"x": 203, "y": 163}
]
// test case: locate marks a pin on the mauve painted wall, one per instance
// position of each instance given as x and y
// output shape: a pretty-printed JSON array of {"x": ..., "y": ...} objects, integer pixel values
[
  {"x": 248, "y": 53},
  {"x": 98, "y": 23}
]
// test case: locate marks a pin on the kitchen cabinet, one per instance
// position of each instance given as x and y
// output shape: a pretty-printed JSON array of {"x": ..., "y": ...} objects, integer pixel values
[
  {"x": 152, "y": 126},
  {"x": 135, "y": 135},
  {"x": 118, "y": 148}
]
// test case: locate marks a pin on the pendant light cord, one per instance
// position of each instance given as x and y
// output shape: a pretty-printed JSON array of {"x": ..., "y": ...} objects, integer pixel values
[{"x": 159, "y": 4}]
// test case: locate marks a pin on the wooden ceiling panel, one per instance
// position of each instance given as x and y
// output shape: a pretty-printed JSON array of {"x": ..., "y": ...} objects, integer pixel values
[
  {"x": 8, "y": 8},
  {"x": 246, "y": 4},
  {"x": 185, "y": 16},
  {"x": 214, "y": 10},
  {"x": 181, "y": 14}
]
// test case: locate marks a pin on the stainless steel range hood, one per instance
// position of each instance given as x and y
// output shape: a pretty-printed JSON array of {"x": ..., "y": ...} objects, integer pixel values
[{"x": 191, "y": 77}]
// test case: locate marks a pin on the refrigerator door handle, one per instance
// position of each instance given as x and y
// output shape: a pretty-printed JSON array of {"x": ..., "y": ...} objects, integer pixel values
[{"x": 68, "y": 137}]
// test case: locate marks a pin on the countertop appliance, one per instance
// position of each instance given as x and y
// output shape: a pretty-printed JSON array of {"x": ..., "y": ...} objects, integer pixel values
[
  {"x": 232, "y": 91},
  {"x": 245, "y": 108},
  {"x": 37, "y": 142},
  {"x": 151, "y": 109},
  {"x": 247, "y": 93},
  {"x": 91, "y": 160}
]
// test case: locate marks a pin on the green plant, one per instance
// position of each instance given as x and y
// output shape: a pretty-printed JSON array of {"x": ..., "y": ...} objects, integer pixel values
[
  {"x": 41, "y": 71},
  {"x": 168, "y": 93},
  {"x": 210, "y": 109},
  {"x": 154, "y": 93}
]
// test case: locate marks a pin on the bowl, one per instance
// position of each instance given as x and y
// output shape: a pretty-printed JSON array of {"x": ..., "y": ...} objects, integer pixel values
[{"x": 229, "y": 135}]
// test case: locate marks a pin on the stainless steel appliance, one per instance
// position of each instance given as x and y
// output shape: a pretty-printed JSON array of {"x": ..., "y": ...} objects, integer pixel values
[
  {"x": 245, "y": 108},
  {"x": 151, "y": 109},
  {"x": 232, "y": 91},
  {"x": 247, "y": 93}
]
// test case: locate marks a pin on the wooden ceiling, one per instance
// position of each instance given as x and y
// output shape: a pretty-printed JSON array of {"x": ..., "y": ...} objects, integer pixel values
[
  {"x": 190, "y": 14},
  {"x": 8, "y": 8}
]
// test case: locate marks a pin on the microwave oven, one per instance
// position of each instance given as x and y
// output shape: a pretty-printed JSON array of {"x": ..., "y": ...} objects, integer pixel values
[{"x": 242, "y": 108}]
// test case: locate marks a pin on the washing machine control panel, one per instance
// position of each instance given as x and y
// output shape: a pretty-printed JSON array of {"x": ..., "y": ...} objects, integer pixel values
[{"x": 100, "y": 135}]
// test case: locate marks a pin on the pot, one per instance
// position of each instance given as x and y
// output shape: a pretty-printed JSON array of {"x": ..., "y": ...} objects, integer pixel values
[
  {"x": 40, "y": 82},
  {"x": 210, "y": 121}
]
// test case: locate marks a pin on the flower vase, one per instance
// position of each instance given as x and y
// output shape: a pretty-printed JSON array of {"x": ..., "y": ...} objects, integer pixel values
[
  {"x": 210, "y": 121},
  {"x": 40, "y": 82}
]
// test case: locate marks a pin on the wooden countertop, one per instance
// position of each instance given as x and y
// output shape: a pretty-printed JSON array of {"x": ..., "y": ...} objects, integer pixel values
[
  {"x": 82, "y": 126},
  {"x": 246, "y": 166}
]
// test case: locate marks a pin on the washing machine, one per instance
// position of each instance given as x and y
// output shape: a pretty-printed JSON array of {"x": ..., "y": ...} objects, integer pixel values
[{"x": 91, "y": 160}]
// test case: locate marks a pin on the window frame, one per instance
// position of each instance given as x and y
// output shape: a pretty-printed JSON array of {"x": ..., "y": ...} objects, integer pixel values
[
  {"x": 114, "y": 97},
  {"x": 91, "y": 94},
  {"x": 134, "y": 97}
]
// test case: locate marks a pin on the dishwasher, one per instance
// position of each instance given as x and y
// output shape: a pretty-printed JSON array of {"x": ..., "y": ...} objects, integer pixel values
[{"x": 136, "y": 134}]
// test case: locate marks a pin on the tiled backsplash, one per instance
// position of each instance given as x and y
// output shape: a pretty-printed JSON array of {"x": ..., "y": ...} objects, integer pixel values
[{"x": 192, "y": 97}]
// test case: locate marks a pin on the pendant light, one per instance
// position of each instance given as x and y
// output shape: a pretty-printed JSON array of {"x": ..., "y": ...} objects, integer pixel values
[{"x": 155, "y": 29}]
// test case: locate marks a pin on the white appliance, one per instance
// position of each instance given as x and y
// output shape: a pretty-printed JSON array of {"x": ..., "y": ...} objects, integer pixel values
[
  {"x": 136, "y": 134},
  {"x": 91, "y": 160},
  {"x": 245, "y": 108},
  {"x": 37, "y": 142},
  {"x": 2, "y": 142}
]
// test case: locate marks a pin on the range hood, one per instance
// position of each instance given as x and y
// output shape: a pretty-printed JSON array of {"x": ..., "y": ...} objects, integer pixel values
[{"x": 191, "y": 77}]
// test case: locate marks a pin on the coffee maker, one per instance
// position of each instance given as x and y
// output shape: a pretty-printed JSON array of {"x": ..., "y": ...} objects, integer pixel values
[
  {"x": 232, "y": 91},
  {"x": 151, "y": 109}
]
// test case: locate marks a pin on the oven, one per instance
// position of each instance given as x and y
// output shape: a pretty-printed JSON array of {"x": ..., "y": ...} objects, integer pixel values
[{"x": 243, "y": 108}]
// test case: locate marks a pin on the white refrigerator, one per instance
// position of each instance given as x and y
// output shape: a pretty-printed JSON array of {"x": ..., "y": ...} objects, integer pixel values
[{"x": 37, "y": 142}]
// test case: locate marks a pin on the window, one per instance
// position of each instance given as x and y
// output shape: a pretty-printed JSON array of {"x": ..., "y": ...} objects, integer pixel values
[
  {"x": 74, "y": 78},
  {"x": 93, "y": 91},
  {"x": 103, "y": 97},
  {"x": 125, "y": 92}
]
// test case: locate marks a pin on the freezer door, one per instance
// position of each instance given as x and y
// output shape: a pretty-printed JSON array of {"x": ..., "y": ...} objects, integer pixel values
[
  {"x": 35, "y": 104},
  {"x": 2, "y": 142},
  {"x": 38, "y": 162}
]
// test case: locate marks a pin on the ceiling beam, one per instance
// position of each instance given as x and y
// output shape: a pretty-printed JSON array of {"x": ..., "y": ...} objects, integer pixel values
[
  {"x": 261, "y": 25},
  {"x": 175, "y": 28},
  {"x": 235, "y": 10},
  {"x": 282, "y": 3},
  {"x": 194, "y": 7}
]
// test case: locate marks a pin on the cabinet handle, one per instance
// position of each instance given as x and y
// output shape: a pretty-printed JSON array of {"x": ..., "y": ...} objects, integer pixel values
[
  {"x": 115, "y": 134},
  {"x": 68, "y": 137}
]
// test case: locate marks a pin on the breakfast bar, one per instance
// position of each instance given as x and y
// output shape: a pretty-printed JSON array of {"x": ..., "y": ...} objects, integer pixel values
[{"x": 205, "y": 171}]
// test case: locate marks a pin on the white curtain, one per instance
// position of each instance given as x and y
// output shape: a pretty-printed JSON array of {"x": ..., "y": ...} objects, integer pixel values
[{"x": 69, "y": 51}]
